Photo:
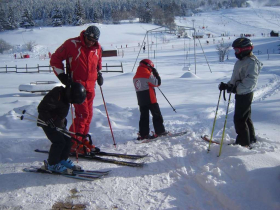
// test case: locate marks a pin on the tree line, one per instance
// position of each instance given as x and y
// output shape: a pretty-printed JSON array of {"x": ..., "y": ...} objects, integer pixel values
[{"x": 30, "y": 13}]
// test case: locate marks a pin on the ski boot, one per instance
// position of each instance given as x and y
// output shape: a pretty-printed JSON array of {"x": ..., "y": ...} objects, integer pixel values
[
  {"x": 140, "y": 138},
  {"x": 56, "y": 168},
  {"x": 69, "y": 164},
  {"x": 165, "y": 133}
]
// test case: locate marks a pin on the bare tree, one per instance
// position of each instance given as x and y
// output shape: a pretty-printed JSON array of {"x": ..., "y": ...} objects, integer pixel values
[
  {"x": 4, "y": 46},
  {"x": 223, "y": 49},
  {"x": 30, "y": 45}
]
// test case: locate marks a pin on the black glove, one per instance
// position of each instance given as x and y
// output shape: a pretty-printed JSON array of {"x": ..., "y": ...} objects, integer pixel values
[
  {"x": 50, "y": 123},
  {"x": 223, "y": 86},
  {"x": 99, "y": 78},
  {"x": 231, "y": 89},
  {"x": 65, "y": 79},
  {"x": 155, "y": 72}
]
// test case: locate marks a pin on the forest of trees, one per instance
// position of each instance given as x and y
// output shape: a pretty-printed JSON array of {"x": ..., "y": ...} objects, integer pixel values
[{"x": 29, "y": 13}]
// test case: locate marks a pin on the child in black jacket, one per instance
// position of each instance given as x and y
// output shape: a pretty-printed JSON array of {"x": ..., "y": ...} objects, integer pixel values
[{"x": 53, "y": 110}]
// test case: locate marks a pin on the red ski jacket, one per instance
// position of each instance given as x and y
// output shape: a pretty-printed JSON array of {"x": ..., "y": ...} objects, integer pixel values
[
  {"x": 83, "y": 61},
  {"x": 144, "y": 83}
]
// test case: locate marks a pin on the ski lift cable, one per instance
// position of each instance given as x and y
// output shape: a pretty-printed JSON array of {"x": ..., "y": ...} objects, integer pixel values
[{"x": 205, "y": 56}]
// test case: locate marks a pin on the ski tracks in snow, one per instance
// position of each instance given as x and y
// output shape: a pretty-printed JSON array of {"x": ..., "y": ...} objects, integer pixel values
[{"x": 265, "y": 91}]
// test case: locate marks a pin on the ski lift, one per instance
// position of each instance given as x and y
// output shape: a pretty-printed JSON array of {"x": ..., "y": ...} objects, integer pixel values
[{"x": 187, "y": 67}]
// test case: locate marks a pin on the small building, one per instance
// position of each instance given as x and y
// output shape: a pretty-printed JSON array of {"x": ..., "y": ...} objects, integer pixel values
[
  {"x": 109, "y": 51},
  {"x": 274, "y": 34},
  {"x": 198, "y": 35}
]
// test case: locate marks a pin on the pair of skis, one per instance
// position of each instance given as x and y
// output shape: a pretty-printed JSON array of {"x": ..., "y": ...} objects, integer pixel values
[
  {"x": 168, "y": 135},
  {"x": 87, "y": 175},
  {"x": 95, "y": 157}
]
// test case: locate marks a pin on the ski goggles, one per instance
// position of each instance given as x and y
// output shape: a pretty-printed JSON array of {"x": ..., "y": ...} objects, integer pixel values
[
  {"x": 239, "y": 50},
  {"x": 91, "y": 39}
]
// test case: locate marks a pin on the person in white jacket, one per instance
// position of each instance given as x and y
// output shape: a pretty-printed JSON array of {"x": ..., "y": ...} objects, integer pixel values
[{"x": 243, "y": 82}]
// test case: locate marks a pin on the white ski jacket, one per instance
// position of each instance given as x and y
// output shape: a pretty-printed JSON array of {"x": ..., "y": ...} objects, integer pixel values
[{"x": 245, "y": 74}]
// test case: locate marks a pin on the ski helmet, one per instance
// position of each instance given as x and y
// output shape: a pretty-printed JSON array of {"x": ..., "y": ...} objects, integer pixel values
[
  {"x": 76, "y": 93},
  {"x": 93, "y": 33},
  {"x": 147, "y": 63},
  {"x": 242, "y": 47}
]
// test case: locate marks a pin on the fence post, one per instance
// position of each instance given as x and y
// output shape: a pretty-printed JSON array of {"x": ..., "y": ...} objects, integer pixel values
[
  {"x": 122, "y": 67},
  {"x": 38, "y": 68},
  {"x": 16, "y": 68},
  {"x": 106, "y": 68},
  {"x": 26, "y": 68},
  {"x": 6, "y": 69}
]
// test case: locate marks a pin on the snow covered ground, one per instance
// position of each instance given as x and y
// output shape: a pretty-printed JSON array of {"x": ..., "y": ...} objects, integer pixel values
[{"x": 179, "y": 173}]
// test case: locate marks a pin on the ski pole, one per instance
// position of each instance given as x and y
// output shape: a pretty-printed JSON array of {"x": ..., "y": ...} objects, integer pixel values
[
  {"x": 58, "y": 129},
  {"x": 167, "y": 100},
  {"x": 214, "y": 120},
  {"x": 224, "y": 127},
  {"x": 108, "y": 116}
]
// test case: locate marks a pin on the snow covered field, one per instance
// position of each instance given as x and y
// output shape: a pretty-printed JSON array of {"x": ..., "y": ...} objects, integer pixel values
[{"x": 179, "y": 173}]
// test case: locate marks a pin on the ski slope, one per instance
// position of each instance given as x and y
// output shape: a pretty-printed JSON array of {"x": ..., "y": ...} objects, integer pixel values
[{"x": 179, "y": 173}]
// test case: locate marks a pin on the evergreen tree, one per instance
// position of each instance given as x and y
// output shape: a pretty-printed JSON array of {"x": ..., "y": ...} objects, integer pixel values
[
  {"x": 79, "y": 14},
  {"x": 147, "y": 16},
  {"x": 11, "y": 18},
  {"x": 95, "y": 18},
  {"x": 56, "y": 17},
  {"x": 27, "y": 20},
  {"x": 4, "y": 21}
]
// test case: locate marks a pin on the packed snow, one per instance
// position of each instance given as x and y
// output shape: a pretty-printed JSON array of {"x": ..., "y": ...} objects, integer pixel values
[{"x": 179, "y": 172}]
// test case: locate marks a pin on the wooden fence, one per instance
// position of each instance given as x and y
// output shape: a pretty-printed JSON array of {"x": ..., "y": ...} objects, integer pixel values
[{"x": 39, "y": 69}]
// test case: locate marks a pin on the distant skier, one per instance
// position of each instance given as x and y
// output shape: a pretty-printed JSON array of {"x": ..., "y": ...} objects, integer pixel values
[
  {"x": 243, "y": 82},
  {"x": 145, "y": 79},
  {"x": 53, "y": 110}
]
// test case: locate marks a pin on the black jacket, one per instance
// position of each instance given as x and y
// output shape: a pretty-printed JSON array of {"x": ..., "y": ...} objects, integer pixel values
[{"x": 54, "y": 105}]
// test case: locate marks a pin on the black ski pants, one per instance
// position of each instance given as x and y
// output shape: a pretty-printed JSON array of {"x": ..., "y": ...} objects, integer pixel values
[
  {"x": 60, "y": 147},
  {"x": 144, "y": 128},
  {"x": 242, "y": 119}
]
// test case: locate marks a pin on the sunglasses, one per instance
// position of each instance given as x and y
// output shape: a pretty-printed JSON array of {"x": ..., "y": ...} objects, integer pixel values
[
  {"x": 91, "y": 39},
  {"x": 239, "y": 50}
]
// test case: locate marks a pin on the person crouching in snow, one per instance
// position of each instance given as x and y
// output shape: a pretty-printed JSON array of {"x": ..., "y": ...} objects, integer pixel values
[
  {"x": 145, "y": 79},
  {"x": 53, "y": 110}
]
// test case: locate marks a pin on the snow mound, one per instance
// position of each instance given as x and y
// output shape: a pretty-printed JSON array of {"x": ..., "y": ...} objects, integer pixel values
[{"x": 189, "y": 75}]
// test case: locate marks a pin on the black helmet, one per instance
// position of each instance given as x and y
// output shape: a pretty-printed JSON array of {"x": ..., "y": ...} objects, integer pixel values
[
  {"x": 93, "y": 32},
  {"x": 241, "y": 43},
  {"x": 76, "y": 93},
  {"x": 242, "y": 47}
]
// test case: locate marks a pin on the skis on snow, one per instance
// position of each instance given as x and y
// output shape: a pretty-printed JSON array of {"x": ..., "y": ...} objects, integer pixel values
[
  {"x": 94, "y": 156},
  {"x": 82, "y": 174},
  {"x": 169, "y": 135},
  {"x": 206, "y": 138}
]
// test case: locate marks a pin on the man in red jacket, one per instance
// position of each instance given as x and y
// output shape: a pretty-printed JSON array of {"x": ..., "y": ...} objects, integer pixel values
[{"x": 83, "y": 55}]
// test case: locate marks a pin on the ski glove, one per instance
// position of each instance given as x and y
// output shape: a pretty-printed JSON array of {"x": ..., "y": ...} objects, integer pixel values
[
  {"x": 99, "y": 78},
  {"x": 64, "y": 79},
  {"x": 223, "y": 86},
  {"x": 50, "y": 123},
  {"x": 155, "y": 72},
  {"x": 231, "y": 89}
]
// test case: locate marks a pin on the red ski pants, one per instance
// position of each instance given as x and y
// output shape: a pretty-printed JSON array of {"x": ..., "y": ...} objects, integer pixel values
[{"x": 83, "y": 115}]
